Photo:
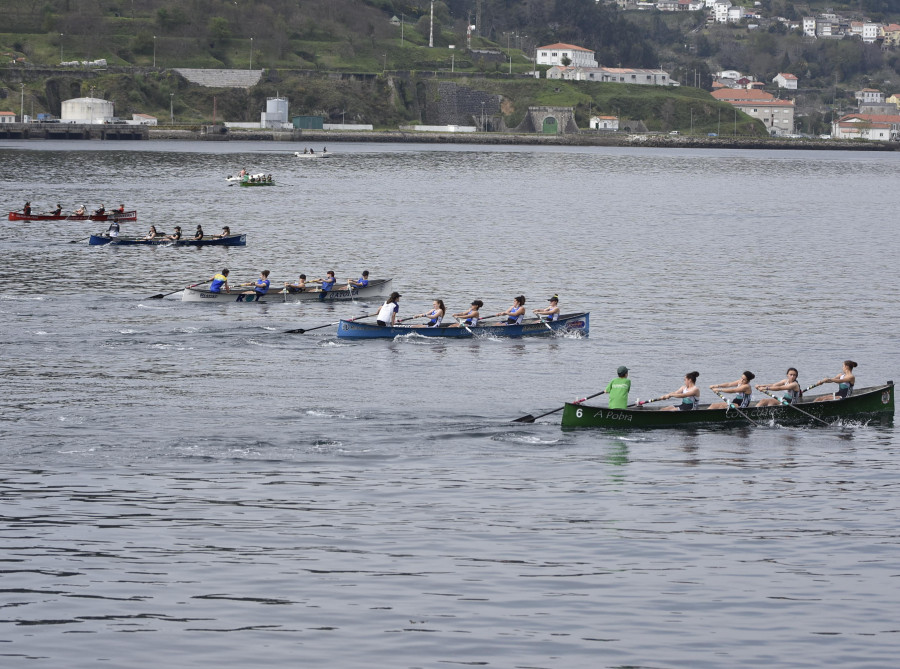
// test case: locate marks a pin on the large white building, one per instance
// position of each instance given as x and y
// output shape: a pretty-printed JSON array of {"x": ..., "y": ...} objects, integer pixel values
[
  {"x": 776, "y": 115},
  {"x": 86, "y": 110},
  {"x": 577, "y": 56},
  {"x": 617, "y": 75},
  {"x": 873, "y": 127}
]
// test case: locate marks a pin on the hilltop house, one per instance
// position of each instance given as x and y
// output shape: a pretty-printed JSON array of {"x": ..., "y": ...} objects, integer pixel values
[
  {"x": 867, "y": 95},
  {"x": 786, "y": 80},
  {"x": 554, "y": 54},
  {"x": 777, "y": 115}
]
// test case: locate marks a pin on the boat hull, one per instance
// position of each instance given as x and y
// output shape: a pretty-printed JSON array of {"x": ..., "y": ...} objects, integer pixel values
[
  {"x": 230, "y": 240},
  {"x": 579, "y": 322},
  {"x": 249, "y": 184},
  {"x": 864, "y": 404},
  {"x": 377, "y": 289},
  {"x": 123, "y": 217},
  {"x": 311, "y": 155}
]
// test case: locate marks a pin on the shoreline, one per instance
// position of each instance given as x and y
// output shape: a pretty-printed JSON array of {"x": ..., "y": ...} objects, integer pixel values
[{"x": 495, "y": 139}]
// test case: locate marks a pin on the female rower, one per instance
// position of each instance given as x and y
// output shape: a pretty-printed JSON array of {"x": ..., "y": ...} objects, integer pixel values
[
  {"x": 58, "y": 210},
  {"x": 260, "y": 288},
  {"x": 387, "y": 314},
  {"x": 226, "y": 232},
  {"x": 472, "y": 315},
  {"x": 689, "y": 394},
  {"x": 550, "y": 313},
  {"x": 326, "y": 284},
  {"x": 436, "y": 315},
  {"x": 845, "y": 380},
  {"x": 789, "y": 385},
  {"x": 361, "y": 282},
  {"x": 175, "y": 236},
  {"x": 516, "y": 312},
  {"x": 80, "y": 211},
  {"x": 198, "y": 235},
  {"x": 152, "y": 234},
  {"x": 740, "y": 389}
]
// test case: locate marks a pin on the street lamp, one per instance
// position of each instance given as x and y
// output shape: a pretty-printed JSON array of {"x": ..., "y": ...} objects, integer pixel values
[
  {"x": 251, "y": 53},
  {"x": 154, "y": 51},
  {"x": 22, "y": 112},
  {"x": 482, "y": 117},
  {"x": 171, "y": 109},
  {"x": 60, "y": 48},
  {"x": 383, "y": 64}
]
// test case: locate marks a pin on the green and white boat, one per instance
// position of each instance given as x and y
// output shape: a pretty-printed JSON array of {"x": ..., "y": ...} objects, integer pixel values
[{"x": 876, "y": 402}]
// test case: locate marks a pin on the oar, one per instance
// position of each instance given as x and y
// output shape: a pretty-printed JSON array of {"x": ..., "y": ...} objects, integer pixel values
[
  {"x": 319, "y": 327},
  {"x": 463, "y": 325},
  {"x": 159, "y": 296},
  {"x": 546, "y": 324},
  {"x": 643, "y": 402},
  {"x": 791, "y": 405},
  {"x": 731, "y": 404},
  {"x": 75, "y": 241},
  {"x": 530, "y": 419},
  {"x": 815, "y": 385}
]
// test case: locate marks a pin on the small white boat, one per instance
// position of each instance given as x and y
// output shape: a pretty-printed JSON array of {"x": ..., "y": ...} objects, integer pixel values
[{"x": 313, "y": 154}]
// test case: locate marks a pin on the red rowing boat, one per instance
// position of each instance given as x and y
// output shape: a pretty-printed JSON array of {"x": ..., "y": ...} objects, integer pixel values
[{"x": 111, "y": 216}]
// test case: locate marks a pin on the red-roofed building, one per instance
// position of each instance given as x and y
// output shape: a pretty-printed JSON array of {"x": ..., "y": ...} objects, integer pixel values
[
  {"x": 777, "y": 115},
  {"x": 873, "y": 127},
  {"x": 7, "y": 117}
]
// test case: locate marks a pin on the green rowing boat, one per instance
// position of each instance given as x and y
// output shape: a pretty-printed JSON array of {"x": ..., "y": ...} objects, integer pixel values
[{"x": 864, "y": 404}]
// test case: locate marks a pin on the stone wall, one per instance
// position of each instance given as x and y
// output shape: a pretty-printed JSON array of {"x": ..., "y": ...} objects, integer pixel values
[{"x": 448, "y": 103}]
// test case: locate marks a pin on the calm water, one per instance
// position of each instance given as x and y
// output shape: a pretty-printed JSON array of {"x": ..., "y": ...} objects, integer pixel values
[{"x": 235, "y": 496}]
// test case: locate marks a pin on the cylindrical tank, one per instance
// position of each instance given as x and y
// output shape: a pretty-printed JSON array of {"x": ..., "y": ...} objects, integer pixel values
[
  {"x": 87, "y": 110},
  {"x": 277, "y": 109}
]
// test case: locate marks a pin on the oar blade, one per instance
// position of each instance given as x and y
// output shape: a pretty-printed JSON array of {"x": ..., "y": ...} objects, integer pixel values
[
  {"x": 295, "y": 331},
  {"x": 524, "y": 419},
  {"x": 158, "y": 296}
]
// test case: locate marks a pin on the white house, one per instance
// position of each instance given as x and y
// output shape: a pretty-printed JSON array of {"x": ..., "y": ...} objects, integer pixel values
[
  {"x": 7, "y": 117},
  {"x": 869, "y": 95},
  {"x": 872, "y": 127},
  {"x": 870, "y": 32},
  {"x": 809, "y": 26},
  {"x": 143, "y": 119},
  {"x": 776, "y": 115},
  {"x": 610, "y": 123},
  {"x": 786, "y": 80},
  {"x": 618, "y": 75},
  {"x": 720, "y": 10},
  {"x": 735, "y": 14},
  {"x": 553, "y": 54}
]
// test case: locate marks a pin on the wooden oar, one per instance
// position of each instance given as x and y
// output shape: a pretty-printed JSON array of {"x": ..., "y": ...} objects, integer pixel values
[
  {"x": 643, "y": 402},
  {"x": 815, "y": 385},
  {"x": 731, "y": 405},
  {"x": 530, "y": 419},
  {"x": 791, "y": 405},
  {"x": 159, "y": 296},
  {"x": 75, "y": 241},
  {"x": 319, "y": 327}
]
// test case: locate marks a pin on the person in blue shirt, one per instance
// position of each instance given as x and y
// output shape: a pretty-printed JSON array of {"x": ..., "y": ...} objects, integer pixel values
[
  {"x": 260, "y": 288},
  {"x": 361, "y": 282},
  {"x": 218, "y": 281},
  {"x": 327, "y": 285},
  {"x": 516, "y": 312}
]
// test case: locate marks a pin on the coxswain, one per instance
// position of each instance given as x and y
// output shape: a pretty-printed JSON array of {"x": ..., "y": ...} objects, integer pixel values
[
  {"x": 27, "y": 209},
  {"x": 58, "y": 210}
]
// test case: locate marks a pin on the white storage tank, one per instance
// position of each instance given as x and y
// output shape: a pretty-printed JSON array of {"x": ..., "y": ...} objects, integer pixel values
[
  {"x": 276, "y": 114},
  {"x": 86, "y": 110}
]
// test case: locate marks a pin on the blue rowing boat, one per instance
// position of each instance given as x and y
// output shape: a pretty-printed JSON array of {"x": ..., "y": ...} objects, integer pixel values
[
  {"x": 228, "y": 240},
  {"x": 532, "y": 327}
]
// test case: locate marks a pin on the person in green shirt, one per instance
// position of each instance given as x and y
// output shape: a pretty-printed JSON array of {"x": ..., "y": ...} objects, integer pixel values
[{"x": 618, "y": 388}]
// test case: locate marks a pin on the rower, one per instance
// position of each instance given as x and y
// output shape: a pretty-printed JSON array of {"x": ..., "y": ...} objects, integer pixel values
[
  {"x": 219, "y": 280},
  {"x": 689, "y": 394},
  {"x": 845, "y": 380},
  {"x": 27, "y": 209},
  {"x": 58, "y": 210},
  {"x": 741, "y": 390},
  {"x": 198, "y": 235},
  {"x": 789, "y": 385},
  {"x": 471, "y": 315},
  {"x": 260, "y": 288},
  {"x": 101, "y": 211},
  {"x": 327, "y": 284},
  {"x": 113, "y": 229},
  {"x": 550, "y": 313},
  {"x": 226, "y": 232},
  {"x": 361, "y": 282},
  {"x": 298, "y": 287},
  {"x": 387, "y": 314},
  {"x": 436, "y": 315},
  {"x": 175, "y": 236},
  {"x": 80, "y": 211},
  {"x": 121, "y": 209},
  {"x": 516, "y": 312}
]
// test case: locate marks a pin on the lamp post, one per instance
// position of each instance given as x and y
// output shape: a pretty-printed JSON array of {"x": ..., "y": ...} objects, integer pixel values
[
  {"x": 383, "y": 64},
  {"x": 482, "y": 117},
  {"x": 154, "y": 52},
  {"x": 401, "y": 29},
  {"x": 171, "y": 109},
  {"x": 60, "y": 48},
  {"x": 251, "y": 53},
  {"x": 22, "y": 112}
]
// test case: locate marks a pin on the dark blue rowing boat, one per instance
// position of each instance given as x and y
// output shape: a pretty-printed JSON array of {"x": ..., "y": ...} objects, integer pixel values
[
  {"x": 228, "y": 240},
  {"x": 579, "y": 322}
]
